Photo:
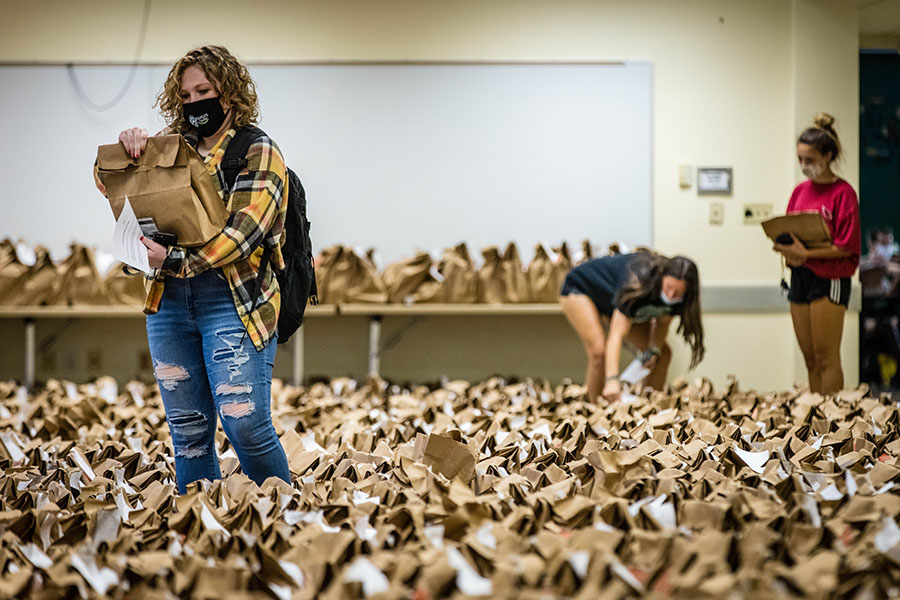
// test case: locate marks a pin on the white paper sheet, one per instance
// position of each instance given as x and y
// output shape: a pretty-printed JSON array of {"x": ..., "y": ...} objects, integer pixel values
[
  {"x": 127, "y": 245},
  {"x": 629, "y": 398},
  {"x": 579, "y": 561},
  {"x": 755, "y": 460},
  {"x": 634, "y": 372},
  {"x": 888, "y": 537},
  {"x": 372, "y": 579},
  {"x": 468, "y": 580}
]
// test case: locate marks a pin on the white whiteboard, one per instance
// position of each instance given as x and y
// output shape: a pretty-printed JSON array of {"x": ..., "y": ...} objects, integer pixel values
[{"x": 398, "y": 157}]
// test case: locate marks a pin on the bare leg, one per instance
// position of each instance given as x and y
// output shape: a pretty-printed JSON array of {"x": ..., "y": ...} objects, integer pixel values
[
  {"x": 827, "y": 319},
  {"x": 586, "y": 320},
  {"x": 800, "y": 315}
]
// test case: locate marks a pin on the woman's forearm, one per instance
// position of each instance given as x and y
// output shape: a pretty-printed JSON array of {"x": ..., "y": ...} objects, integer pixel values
[
  {"x": 832, "y": 252},
  {"x": 613, "y": 350}
]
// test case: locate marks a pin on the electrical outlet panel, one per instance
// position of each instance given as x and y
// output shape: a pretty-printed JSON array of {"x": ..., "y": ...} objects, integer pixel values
[{"x": 757, "y": 212}]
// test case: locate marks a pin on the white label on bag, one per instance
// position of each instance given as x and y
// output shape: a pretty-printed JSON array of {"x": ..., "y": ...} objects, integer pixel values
[{"x": 634, "y": 372}]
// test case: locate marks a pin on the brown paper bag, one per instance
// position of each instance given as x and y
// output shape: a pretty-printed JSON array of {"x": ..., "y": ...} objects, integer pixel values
[
  {"x": 587, "y": 252},
  {"x": 460, "y": 276},
  {"x": 403, "y": 278},
  {"x": 454, "y": 281},
  {"x": 13, "y": 274},
  {"x": 41, "y": 282},
  {"x": 125, "y": 289},
  {"x": 169, "y": 184},
  {"x": 364, "y": 283},
  {"x": 80, "y": 283},
  {"x": 490, "y": 277},
  {"x": 450, "y": 458},
  {"x": 542, "y": 275},
  {"x": 515, "y": 280},
  {"x": 344, "y": 275},
  {"x": 563, "y": 265},
  {"x": 329, "y": 287},
  {"x": 432, "y": 290}
]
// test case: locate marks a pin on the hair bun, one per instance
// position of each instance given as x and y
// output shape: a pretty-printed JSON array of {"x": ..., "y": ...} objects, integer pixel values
[{"x": 824, "y": 121}]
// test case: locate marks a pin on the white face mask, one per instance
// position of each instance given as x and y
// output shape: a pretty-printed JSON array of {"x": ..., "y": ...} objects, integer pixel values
[
  {"x": 813, "y": 171},
  {"x": 669, "y": 301},
  {"x": 885, "y": 251}
]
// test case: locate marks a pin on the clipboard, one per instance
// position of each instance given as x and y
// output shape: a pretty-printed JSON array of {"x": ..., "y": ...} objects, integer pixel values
[{"x": 809, "y": 227}]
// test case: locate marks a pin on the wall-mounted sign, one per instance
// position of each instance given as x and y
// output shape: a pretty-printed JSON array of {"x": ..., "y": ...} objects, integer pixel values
[{"x": 714, "y": 181}]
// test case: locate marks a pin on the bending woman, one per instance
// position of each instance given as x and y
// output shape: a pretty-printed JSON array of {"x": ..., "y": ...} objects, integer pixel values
[
  {"x": 633, "y": 298},
  {"x": 213, "y": 348}
]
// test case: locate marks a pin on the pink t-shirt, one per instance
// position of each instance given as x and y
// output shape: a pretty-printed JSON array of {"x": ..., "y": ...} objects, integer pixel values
[{"x": 838, "y": 204}]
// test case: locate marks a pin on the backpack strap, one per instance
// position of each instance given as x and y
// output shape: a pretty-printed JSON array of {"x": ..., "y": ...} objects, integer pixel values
[{"x": 235, "y": 159}]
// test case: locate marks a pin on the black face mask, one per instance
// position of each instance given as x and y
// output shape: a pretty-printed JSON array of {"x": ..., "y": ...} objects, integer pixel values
[{"x": 206, "y": 115}]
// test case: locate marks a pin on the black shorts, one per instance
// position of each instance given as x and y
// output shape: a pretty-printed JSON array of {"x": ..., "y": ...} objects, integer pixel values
[
  {"x": 806, "y": 286},
  {"x": 571, "y": 285}
]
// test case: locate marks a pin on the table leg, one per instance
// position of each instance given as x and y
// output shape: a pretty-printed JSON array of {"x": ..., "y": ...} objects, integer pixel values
[
  {"x": 297, "y": 372},
  {"x": 30, "y": 352},
  {"x": 374, "y": 345}
]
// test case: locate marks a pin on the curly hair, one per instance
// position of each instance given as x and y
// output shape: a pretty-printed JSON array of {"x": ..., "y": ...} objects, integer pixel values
[
  {"x": 644, "y": 283},
  {"x": 230, "y": 78}
]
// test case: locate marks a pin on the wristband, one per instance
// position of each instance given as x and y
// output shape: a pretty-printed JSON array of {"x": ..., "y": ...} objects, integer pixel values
[
  {"x": 654, "y": 351},
  {"x": 612, "y": 378}
]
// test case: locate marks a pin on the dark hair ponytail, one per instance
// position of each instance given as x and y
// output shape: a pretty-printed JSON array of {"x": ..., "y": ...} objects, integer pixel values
[
  {"x": 822, "y": 136},
  {"x": 691, "y": 324},
  {"x": 644, "y": 283}
]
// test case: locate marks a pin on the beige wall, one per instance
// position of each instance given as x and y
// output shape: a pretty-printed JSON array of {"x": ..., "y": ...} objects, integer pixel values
[{"x": 734, "y": 83}]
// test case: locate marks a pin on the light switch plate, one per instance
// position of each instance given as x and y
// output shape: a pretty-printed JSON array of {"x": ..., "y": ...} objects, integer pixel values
[
  {"x": 716, "y": 213},
  {"x": 685, "y": 176},
  {"x": 757, "y": 212}
]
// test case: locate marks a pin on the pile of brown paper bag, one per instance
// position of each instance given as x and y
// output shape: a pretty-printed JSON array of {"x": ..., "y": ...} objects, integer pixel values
[
  {"x": 496, "y": 490},
  {"x": 349, "y": 275},
  {"x": 37, "y": 280},
  {"x": 343, "y": 275}
]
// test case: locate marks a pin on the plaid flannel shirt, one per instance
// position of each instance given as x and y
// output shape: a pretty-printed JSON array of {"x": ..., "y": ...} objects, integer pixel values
[{"x": 257, "y": 212}]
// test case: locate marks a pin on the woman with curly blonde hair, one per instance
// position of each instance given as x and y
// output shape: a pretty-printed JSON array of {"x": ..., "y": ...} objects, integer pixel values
[{"x": 212, "y": 341}]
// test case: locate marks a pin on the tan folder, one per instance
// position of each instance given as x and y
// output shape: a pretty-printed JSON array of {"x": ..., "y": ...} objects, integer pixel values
[{"x": 809, "y": 227}]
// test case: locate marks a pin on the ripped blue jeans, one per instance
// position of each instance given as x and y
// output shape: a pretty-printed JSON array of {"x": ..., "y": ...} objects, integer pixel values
[{"x": 208, "y": 368}]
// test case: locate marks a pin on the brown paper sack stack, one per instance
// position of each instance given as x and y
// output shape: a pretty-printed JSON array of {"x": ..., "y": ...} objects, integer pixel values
[
  {"x": 80, "y": 283},
  {"x": 543, "y": 274},
  {"x": 125, "y": 289},
  {"x": 324, "y": 281},
  {"x": 432, "y": 290},
  {"x": 515, "y": 280},
  {"x": 403, "y": 278},
  {"x": 563, "y": 265},
  {"x": 490, "y": 277},
  {"x": 455, "y": 280},
  {"x": 489, "y": 490},
  {"x": 41, "y": 282},
  {"x": 345, "y": 275},
  {"x": 460, "y": 276},
  {"x": 587, "y": 252},
  {"x": 168, "y": 183},
  {"x": 13, "y": 274}
]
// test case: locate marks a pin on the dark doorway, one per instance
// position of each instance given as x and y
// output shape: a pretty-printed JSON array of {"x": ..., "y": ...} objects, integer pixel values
[{"x": 879, "y": 193}]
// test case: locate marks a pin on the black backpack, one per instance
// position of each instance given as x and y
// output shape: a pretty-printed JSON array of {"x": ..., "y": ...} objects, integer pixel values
[{"x": 298, "y": 280}]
